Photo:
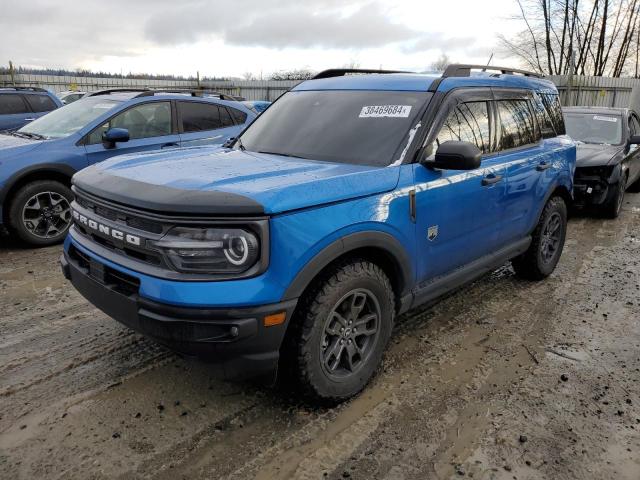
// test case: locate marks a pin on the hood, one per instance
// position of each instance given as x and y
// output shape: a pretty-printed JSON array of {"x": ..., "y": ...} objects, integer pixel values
[
  {"x": 591, "y": 155},
  {"x": 11, "y": 145},
  {"x": 219, "y": 181}
]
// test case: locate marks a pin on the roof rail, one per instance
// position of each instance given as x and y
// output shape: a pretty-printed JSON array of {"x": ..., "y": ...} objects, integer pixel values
[
  {"x": 462, "y": 70},
  {"x": 116, "y": 90},
  {"x": 341, "y": 72},
  {"x": 192, "y": 92},
  {"x": 33, "y": 89}
]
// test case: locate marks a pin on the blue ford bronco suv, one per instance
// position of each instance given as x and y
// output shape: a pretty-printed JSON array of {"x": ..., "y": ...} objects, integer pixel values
[{"x": 355, "y": 197}]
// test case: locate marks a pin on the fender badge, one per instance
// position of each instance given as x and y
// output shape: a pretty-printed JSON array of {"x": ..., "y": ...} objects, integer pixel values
[{"x": 432, "y": 233}]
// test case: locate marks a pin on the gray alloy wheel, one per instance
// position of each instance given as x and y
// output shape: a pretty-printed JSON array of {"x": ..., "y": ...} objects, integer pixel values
[
  {"x": 350, "y": 333},
  {"x": 46, "y": 215},
  {"x": 551, "y": 237}
]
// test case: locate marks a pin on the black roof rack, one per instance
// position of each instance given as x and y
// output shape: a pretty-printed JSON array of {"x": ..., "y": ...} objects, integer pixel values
[
  {"x": 462, "y": 70},
  {"x": 116, "y": 90},
  {"x": 341, "y": 72},
  {"x": 33, "y": 89},
  {"x": 192, "y": 92}
]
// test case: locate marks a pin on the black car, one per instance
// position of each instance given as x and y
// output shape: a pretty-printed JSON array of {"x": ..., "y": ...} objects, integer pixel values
[{"x": 608, "y": 155}]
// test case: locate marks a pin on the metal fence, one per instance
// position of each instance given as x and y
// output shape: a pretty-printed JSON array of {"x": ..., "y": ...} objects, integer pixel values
[
  {"x": 598, "y": 91},
  {"x": 249, "y": 89},
  {"x": 577, "y": 90}
]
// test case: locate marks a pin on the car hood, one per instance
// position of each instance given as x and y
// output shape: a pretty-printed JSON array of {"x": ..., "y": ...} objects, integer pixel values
[
  {"x": 221, "y": 181},
  {"x": 590, "y": 155},
  {"x": 11, "y": 146}
]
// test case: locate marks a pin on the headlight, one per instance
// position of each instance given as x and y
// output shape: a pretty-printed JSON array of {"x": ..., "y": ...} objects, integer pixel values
[{"x": 210, "y": 250}]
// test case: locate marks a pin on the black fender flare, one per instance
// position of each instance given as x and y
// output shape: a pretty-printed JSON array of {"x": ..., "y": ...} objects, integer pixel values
[
  {"x": 365, "y": 239},
  {"x": 60, "y": 168}
]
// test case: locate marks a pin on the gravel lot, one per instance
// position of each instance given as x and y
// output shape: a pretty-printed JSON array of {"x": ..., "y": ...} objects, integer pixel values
[{"x": 504, "y": 379}]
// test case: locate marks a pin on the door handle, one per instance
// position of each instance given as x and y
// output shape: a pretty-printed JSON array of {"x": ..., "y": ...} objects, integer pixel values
[
  {"x": 29, "y": 119},
  {"x": 491, "y": 180},
  {"x": 542, "y": 166},
  {"x": 169, "y": 145}
]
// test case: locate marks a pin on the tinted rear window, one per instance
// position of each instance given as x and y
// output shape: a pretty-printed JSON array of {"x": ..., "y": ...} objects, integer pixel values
[
  {"x": 199, "y": 117},
  {"x": 41, "y": 103},
  {"x": 357, "y": 127},
  {"x": 11, "y": 104}
]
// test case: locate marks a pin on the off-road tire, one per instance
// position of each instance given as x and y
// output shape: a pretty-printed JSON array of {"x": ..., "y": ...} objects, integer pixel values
[
  {"x": 532, "y": 264},
  {"x": 22, "y": 197},
  {"x": 305, "y": 339}
]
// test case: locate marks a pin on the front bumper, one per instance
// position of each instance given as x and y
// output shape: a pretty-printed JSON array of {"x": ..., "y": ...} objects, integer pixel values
[
  {"x": 592, "y": 185},
  {"x": 234, "y": 338}
]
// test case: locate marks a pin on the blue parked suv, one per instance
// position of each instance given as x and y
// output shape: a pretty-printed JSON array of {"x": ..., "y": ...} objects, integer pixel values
[
  {"x": 21, "y": 105},
  {"x": 350, "y": 200},
  {"x": 38, "y": 160}
]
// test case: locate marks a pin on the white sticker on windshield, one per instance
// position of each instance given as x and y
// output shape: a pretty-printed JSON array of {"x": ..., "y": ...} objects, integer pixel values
[
  {"x": 379, "y": 111},
  {"x": 605, "y": 119},
  {"x": 103, "y": 105}
]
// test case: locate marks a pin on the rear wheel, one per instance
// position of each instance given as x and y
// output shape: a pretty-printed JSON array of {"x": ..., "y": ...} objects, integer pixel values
[
  {"x": 341, "y": 329},
  {"x": 547, "y": 242},
  {"x": 40, "y": 212}
]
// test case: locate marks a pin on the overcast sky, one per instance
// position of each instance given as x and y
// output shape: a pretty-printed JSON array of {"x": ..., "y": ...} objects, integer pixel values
[{"x": 229, "y": 38}]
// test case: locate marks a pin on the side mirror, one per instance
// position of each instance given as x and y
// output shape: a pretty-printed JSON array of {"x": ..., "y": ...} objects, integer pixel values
[
  {"x": 113, "y": 136},
  {"x": 634, "y": 140},
  {"x": 454, "y": 155}
]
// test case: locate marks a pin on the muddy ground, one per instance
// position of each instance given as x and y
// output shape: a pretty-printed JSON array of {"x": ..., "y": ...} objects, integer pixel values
[{"x": 505, "y": 379}]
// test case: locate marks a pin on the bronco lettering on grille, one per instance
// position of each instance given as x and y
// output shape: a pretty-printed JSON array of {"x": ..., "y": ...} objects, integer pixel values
[{"x": 106, "y": 230}]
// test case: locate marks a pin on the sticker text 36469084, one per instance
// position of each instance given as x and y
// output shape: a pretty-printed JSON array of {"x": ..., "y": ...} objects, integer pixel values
[{"x": 378, "y": 111}]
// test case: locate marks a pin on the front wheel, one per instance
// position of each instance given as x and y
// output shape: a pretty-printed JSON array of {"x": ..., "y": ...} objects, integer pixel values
[
  {"x": 547, "y": 242},
  {"x": 341, "y": 329},
  {"x": 613, "y": 206},
  {"x": 40, "y": 212}
]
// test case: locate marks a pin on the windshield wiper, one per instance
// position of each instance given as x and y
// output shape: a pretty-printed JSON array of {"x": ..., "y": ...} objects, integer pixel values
[
  {"x": 35, "y": 136},
  {"x": 282, "y": 154}
]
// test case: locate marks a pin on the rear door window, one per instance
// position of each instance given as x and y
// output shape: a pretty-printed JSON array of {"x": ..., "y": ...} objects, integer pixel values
[
  {"x": 12, "y": 104},
  {"x": 41, "y": 103},
  {"x": 199, "y": 117},
  {"x": 518, "y": 127},
  {"x": 468, "y": 122},
  {"x": 225, "y": 116}
]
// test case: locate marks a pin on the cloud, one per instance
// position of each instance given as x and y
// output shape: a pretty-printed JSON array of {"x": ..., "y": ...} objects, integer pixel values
[
  {"x": 280, "y": 24},
  {"x": 66, "y": 34}
]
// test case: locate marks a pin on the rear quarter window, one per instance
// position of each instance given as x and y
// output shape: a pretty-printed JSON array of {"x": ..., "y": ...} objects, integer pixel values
[
  {"x": 552, "y": 105},
  {"x": 41, "y": 103},
  {"x": 238, "y": 116},
  {"x": 12, "y": 104}
]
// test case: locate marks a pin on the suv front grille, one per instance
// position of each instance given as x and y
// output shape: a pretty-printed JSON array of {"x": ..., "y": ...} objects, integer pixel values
[{"x": 115, "y": 215}]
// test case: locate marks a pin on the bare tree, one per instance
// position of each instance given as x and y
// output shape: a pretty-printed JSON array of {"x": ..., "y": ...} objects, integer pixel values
[
  {"x": 588, "y": 37},
  {"x": 440, "y": 64}
]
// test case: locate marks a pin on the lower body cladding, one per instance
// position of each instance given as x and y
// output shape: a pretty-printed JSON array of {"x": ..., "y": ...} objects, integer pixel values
[{"x": 238, "y": 340}]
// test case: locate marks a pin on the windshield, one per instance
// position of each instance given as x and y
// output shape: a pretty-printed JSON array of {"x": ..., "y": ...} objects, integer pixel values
[
  {"x": 357, "y": 127},
  {"x": 594, "y": 128},
  {"x": 69, "y": 119}
]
